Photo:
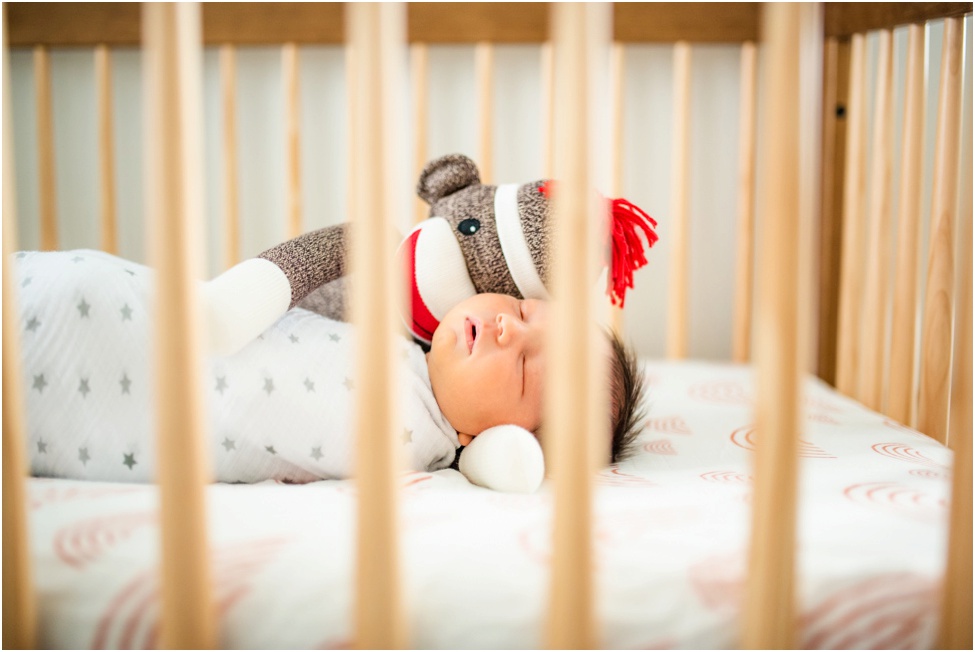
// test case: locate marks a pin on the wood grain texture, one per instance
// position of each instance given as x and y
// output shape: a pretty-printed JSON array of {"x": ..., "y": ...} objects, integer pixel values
[
  {"x": 419, "y": 79},
  {"x": 848, "y": 18},
  {"x": 901, "y": 397},
  {"x": 569, "y": 408},
  {"x": 376, "y": 38},
  {"x": 484, "y": 83},
  {"x": 768, "y": 617},
  {"x": 106, "y": 149},
  {"x": 678, "y": 306},
  {"x": 19, "y": 600},
  {"x": 836, "y": 88},
  {"x": 231, "y": 191},
  {"x": 174, "y": 210},
  {"x": 935, "y": 365},
  {"x": 290, "y": 69},
  {"x": 744, "y": 243},
  {"x": 46, "y": 169},
  {"x": 873, "y": 328},
  {"x": 851, "y": 267}
]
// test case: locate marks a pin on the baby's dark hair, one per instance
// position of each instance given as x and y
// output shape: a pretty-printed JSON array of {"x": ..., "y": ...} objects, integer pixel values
[{"x": 626, "y": 388}]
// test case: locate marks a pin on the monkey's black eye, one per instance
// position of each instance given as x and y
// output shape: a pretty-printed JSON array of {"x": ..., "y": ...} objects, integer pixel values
[{"x": 469, "y": 226}]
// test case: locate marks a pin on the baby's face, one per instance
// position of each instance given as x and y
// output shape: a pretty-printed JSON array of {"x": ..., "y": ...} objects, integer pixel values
[{"x": 486, "y": 363}]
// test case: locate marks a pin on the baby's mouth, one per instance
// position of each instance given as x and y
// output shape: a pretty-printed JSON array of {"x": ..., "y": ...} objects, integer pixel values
[{"x": 472, "y": 328}]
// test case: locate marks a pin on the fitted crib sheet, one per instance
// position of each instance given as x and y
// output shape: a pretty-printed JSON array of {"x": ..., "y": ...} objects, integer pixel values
[{"x": 671, "y": 534}]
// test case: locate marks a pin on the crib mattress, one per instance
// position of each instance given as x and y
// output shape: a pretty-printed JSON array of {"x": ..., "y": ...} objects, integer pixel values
[{"x": 671, "y": 536}]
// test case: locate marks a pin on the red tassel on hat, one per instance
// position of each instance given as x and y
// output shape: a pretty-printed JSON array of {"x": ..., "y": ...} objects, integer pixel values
[{"x": 628, "y": 253}]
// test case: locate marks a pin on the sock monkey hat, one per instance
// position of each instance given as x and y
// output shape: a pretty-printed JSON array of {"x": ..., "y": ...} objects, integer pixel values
[{"x": 482, "y": 238}]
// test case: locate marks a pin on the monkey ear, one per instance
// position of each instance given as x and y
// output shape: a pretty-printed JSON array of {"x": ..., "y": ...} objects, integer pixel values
[{"x": 445, "y": 176}]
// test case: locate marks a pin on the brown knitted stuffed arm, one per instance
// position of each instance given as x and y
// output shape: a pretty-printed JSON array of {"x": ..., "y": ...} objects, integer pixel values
[{"x": 311, "y": 260}]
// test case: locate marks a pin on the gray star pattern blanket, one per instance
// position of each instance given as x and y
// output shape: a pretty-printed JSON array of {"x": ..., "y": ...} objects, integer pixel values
[{"x": 281, "y": 408}]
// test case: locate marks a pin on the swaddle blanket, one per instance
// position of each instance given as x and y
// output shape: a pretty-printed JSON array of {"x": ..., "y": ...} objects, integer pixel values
[{"x": 281, "y": 408}]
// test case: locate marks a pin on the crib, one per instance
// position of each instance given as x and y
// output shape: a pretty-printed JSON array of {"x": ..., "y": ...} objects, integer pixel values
[{"x": 842, "y": 319}]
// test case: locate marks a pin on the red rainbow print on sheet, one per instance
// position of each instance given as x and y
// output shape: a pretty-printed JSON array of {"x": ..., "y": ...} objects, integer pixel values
[
  {"x": 892, "y": 497},
  {"x": 720, "y": 391},
  {"x": 893, "y": 611},
  {"x": 614, "y": 477},
  {"x": 131, "y": 620},
  {"x": 409, "y": 482},
  {"x": 931, "y": 474},
  {"x": 674, "y": 425},
  {"x": 727, "y": 477},
  {"x": 906, "y": 453},
  {"x": 85, "y": 541},
  {"x": 746, "y": 438},
  {"x": 660, "y": 447}
]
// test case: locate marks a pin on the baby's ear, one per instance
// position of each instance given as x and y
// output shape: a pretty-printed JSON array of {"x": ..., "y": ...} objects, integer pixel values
[{"x": 445, "y": 176}]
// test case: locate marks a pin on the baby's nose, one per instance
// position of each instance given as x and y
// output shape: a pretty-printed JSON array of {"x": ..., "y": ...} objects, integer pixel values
[{"x": 510, "y": 328}]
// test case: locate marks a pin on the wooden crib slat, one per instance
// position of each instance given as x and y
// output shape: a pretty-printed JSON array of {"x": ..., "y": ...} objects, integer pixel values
[
  {"x": 900, "y": 393},
  {"x": 375, "y": 32},
  {"x": 547, "y": 63},
  {"x": 956, "y": 621},
  {"x": 231, "y": 214},
  {"x": 877, "y": 281},
  {"x": 106, "y": 149},
  {"x": 677, "y": 300},
  {"x": 46, "y": 172},
  {"x": 617, "y": 71},
  {"x": 573, "y": 361},
  {"x": 484, "y": 75},
  {"x": 744, "y": 251},
  {"x": 420, "y": 67},
  {"x": 292, "y": 134},
  {"x": 769, "y": 612},
  {"x": 937, "y": 321},
  {"x": 851, "y": 269},
  {"x": 19, "y": 605},
  {"x": 836, "y": 88},
  {"x": 174, "y": 207}
]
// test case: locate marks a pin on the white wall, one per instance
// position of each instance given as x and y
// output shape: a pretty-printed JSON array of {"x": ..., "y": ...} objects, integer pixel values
[{"x": 453, "y": 119}]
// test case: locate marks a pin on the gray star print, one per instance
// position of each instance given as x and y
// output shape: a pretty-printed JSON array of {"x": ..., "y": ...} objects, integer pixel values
[
  {"x": 129, "y": 460},
  {"x": 348, "y": 383},
  {"x": 316, "y": 453},
  {"x": 40, "y": 383},
  {"x": 84, "y": 388},
  {"x": 270, "y": 449},
  {"x": 33, "y": 323},
  {"x": 293, "y": 338},
  {"x": 335, "y": 337},
  {"x": 125, "y": 383},
  {"x": 21, "y": 254},
  {"x": 407, "y": 436},
  {"x": 309, "y": 384},
  {"x": 77, "y": 259},
  {"x": 268, "y": 385},
  {"x": 83, "y": 308},
  {"x": 229, "y": 444},
  {"x": 130, "y": 272},
  {"x": 221, "y": 384},
  {"x": 126, "y": 313},
  {"x": 41, "y": 446},
  {"x": 83, "y": 455},
  {"x": 26, "y": 282}
]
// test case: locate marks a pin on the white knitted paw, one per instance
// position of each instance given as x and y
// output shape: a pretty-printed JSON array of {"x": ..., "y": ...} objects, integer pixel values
[{"x": 504, "y": 458}]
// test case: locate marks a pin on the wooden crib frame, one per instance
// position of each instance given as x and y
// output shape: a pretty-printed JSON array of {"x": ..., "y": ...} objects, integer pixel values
[{"x": 810, "y": 169}]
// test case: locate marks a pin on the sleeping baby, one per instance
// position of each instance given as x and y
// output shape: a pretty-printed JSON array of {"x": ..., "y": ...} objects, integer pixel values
[{"x": 281, "y": 407}]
